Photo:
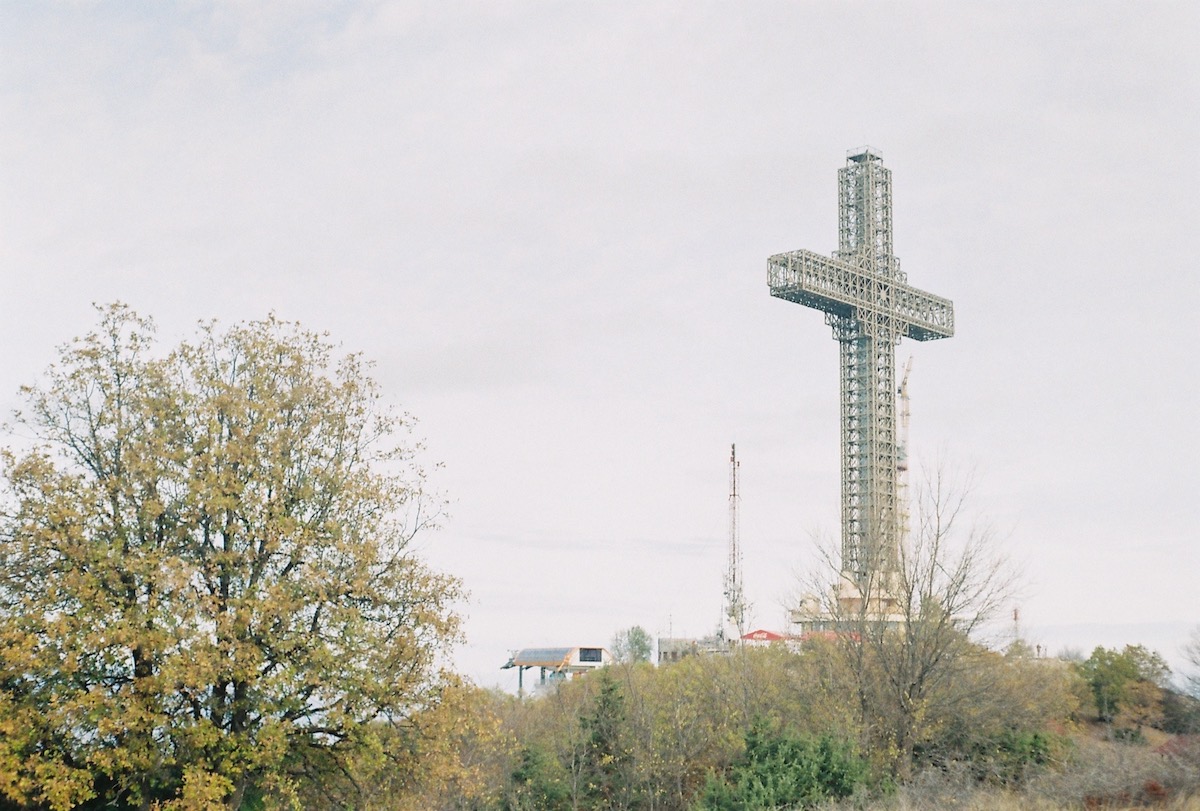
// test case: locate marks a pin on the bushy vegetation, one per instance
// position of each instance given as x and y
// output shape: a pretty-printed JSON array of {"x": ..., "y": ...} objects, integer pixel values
[
  {"x": 1125, "y": 685},
  {"x": 776, "y": 728},
  {"x": 762, "y": 728},
  {"x": 785, "y": 771}
]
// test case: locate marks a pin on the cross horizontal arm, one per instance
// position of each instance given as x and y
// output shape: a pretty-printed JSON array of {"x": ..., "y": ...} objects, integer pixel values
[{"x": 844, "y": 289}]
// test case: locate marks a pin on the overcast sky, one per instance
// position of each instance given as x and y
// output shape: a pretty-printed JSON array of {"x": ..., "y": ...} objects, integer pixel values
[{"x": 548, "y": 224}]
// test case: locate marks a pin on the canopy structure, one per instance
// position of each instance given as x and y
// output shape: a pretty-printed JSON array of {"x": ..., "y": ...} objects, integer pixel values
[{"x": 556, "y": 663}]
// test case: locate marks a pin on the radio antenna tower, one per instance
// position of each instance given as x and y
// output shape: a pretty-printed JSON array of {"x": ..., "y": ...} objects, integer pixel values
[
  {"x": 869, "y": 303},
  {"x": 735, "y": 598}
]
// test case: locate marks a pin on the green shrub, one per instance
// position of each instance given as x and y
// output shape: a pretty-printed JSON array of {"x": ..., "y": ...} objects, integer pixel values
[
  {"x": 783, "y": 771},
  {"x": 539, "y": 783},
  {"x": 1008, "y": 758}
]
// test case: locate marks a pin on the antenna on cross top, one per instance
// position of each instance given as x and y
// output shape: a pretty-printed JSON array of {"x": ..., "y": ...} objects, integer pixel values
[{"x": 864, "y": 153}]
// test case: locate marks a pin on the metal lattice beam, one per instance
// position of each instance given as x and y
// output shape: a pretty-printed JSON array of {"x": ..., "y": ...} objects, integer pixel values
[{"x": 870, "y": 305}]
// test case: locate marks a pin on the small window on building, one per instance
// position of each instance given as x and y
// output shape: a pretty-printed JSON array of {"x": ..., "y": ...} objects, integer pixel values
[{"x": 589, "y": 655}]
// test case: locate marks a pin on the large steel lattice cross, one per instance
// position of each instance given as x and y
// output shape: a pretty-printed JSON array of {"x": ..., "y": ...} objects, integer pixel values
[{"x": 870, "y": 305}]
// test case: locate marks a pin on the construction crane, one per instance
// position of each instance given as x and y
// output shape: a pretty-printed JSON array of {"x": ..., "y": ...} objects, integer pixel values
[
  {"x": 902, "y": 501},
  {"x": 735, "y": 598}
]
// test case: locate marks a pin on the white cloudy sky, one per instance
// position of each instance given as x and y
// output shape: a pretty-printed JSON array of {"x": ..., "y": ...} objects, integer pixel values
[{"x": 548, "y": 223}]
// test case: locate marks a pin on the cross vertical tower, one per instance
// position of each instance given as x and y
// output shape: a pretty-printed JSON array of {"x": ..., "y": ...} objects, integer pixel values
[{"x": 870, "y": 305}]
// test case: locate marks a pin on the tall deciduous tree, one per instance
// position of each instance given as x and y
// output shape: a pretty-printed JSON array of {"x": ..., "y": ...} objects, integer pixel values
[
  {"x": 206, "y": 568},
  {"x": 906, "y": 635},
  {"x": 1191, "y": 652},
  {"x": 634, "y": 644}
]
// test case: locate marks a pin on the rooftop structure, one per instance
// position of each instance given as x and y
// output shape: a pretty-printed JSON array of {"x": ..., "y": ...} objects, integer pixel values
[
  {"x": 672, "y": 649},
  {"x": 556, "y": 663},
  {"x": 762, "y": 637}
]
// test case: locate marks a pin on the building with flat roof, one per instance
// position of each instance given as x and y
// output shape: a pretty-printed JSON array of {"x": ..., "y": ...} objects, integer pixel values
[
  {"x": 556, "y": 663},
  {"x": 672, "y": 649}
]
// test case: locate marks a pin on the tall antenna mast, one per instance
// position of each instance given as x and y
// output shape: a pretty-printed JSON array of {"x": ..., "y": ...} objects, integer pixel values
[{"x": 735, "y": 600}]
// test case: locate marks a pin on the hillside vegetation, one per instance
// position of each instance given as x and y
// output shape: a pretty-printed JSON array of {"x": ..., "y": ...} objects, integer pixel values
[{"x": 773, "y": 728}]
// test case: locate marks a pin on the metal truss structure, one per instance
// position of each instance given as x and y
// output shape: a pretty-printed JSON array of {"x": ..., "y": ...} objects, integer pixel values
[
  {"x": 870, "y": 305},
  {"x": 735, "y": 596}
]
